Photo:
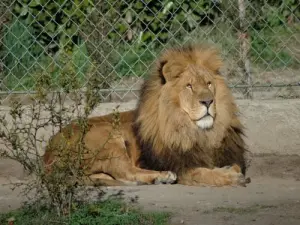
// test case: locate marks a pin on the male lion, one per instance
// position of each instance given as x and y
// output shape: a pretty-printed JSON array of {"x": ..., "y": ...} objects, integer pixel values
[{"x": 185, "y": 129}]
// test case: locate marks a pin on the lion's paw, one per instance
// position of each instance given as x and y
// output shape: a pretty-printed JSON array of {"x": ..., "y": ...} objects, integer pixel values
[
  {"x": 235, "y": 175},
  {"x": 167, "y": 177},
  {"x": 240, "y": 180}
]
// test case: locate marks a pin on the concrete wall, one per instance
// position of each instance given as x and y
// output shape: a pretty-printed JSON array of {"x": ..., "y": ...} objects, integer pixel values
[{"x": 272, "y": 126}]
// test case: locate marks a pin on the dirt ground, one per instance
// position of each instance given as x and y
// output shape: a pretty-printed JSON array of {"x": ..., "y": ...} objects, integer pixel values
[{"x": 273, "y": 196}]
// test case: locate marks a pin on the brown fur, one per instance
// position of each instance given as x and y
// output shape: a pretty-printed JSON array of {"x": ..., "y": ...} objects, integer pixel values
[{"x": 167, "y": 134}]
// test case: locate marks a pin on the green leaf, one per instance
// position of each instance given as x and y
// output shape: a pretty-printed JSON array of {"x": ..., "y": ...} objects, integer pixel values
[
  {"x": 185, "y": 7},
  {"x": 167, "y": 7},
  {"x": 41, "y": 17},
  {"x": 24, "y": 10},
  {"x": 51, "y": 6},
  {"x": 154, "y": 26},
  {"x": 122, "y": 28},
  {"x": 34, "y": 3},
  {"x": 17, "y": 8},
  {"x": 50, "y": 27},
  {"x": 139, "y": 5},
  {"x": 71, "y": 30},
  {"x": 145, "y": 36}
]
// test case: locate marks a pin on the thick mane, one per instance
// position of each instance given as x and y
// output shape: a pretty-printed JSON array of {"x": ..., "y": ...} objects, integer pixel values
[{"x": 168, "y": 140}]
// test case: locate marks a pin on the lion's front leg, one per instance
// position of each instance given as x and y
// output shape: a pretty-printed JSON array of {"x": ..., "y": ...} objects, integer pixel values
[{"x": 225, "y": 176}]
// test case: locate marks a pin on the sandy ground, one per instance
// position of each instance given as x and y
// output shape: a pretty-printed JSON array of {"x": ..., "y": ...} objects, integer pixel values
[{"x": 273, "y": 196}]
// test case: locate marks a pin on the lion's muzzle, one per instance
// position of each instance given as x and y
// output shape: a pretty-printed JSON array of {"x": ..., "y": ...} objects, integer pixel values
[
  {"x": 207, "y": 103},
  {"x": 205, "y": 122}
]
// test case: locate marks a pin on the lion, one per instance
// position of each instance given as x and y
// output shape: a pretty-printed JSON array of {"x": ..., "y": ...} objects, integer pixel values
[{"x": 185, "y": 129}]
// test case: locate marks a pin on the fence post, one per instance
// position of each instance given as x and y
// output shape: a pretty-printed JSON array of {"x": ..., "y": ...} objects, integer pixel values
[{"x": 244, "y": 48}]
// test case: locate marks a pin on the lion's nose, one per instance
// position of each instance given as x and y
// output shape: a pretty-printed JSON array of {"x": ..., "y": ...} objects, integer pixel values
[{"x": 207, "y": 103}]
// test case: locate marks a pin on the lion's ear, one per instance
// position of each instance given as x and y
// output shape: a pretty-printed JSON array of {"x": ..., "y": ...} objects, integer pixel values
[{"x": 163, "y": 71}]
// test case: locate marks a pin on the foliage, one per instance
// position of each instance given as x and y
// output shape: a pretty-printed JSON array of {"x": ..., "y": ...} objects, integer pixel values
[
  {"x": 99, "y": 48},
  {"x": 135, "y": 61},
  {"x": 270, "y": 14},
  {"x": 55, "y": 23},
  {"x": 68, "y": 67},
  {"x": 267, "y": 50},
  {"x": 109, "y": 212},
  {"x": 271, "y": 24},
  {"x": 21, "y": 129},
  {"x": 20, "y": 52},
  {"x": 23, "y": 57},
  {"x": 5, "y": 15},
  {"x": 38, "y": 29},
  {"x": 156, "y": 21},
  {"x": 123, "y": 37}
]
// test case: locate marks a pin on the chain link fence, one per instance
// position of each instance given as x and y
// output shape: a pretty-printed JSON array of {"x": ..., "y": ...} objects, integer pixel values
[{"x": 259, "y": 40}]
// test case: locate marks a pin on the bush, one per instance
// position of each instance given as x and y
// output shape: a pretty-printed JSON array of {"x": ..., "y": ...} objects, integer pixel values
[
  {"x": 134, "y": 61},
  {"x": 267, "y": 51},
  {"x": 40, "y": 30},
  {"x": 21, "y": 131},
  {"x": 271, "y": 14},
  {"x": 20, "y": 55},
  {"x": 123, "y": 37},
  {"x": 23, "y": 57},
  {"x": 156, "y": 21},
  {"x": 55, "y": 23}
]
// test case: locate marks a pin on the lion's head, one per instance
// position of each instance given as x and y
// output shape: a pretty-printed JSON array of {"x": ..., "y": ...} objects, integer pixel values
[
  {"x": 185, "y": 104},
  {"x": 189, "y": 83}
]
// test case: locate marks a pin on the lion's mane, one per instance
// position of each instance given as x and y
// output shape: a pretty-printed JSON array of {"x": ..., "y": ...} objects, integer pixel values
[{"x": 166, "y": 141}]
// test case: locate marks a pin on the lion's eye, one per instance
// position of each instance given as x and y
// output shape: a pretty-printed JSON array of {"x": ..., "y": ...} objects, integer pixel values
[
  {"x": 189, "y": 86},
  {"x": 209, "y": 84}
]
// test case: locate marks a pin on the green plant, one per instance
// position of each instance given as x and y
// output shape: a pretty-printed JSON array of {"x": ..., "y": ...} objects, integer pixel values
[
  {"x": 20, "y": 54},
  {"x": 21, "y": 128},
  {"x": 109, "y": 212},
  {"x": 23, "y": 57},
  {"x": 271, "y": 14},
  {"x": 72, "y": 66},
  {"x": 134, "y": 61},
  {"x": 266, "y": 50},
  {"x": 40, "y": 29},
  {"x": 5, "y": 15},
  {"x": 55, "y": 23},
  {"x": 156, "y": 21}
]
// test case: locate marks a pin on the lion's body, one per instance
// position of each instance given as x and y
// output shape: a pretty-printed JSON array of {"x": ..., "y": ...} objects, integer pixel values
[{"x": 186, "y": 123}]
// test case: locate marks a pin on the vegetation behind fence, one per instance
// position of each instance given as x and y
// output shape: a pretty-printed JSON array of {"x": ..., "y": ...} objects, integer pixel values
[{"x": 260, "y": 40}]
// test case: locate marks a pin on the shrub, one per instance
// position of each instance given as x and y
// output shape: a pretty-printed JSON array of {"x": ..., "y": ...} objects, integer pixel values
[
  {"x": 21, "y": 132},
  {"x": 55, "y": 23},
  {"x": 23, "y": 56},
  {"x": 156, "y": 21},
  {"x": 20, "y": 55},
  {"x": 267, "y": 51},
  {"x": 135, "y": 61}
]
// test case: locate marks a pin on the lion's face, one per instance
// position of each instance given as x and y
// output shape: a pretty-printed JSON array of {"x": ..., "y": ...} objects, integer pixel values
[
  {"x": 195, "y": 90},
  {"x": 196, "y": 96}
]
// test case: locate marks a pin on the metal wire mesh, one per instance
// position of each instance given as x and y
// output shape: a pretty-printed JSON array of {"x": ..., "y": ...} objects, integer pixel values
[{"x": 260, "y": 42}]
